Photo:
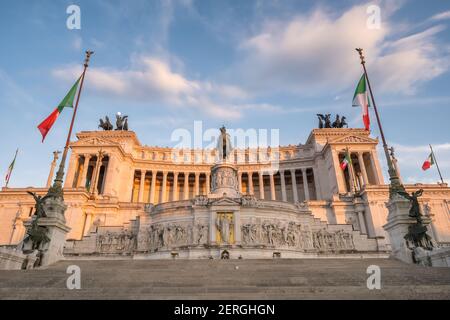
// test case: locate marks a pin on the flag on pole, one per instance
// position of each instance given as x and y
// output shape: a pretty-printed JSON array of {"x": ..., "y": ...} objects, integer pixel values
[
  {"x": 361, "y": 98},
  {"x": 46, "y": 125},
  {"x": 428, "y": 163},
  {"x": 10, "y": 169},
  {"x": 347, "y": 160}
]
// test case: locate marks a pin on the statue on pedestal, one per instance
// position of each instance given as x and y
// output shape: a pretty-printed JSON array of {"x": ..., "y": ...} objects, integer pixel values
[
  {"x": 224, "y": 146},
  {"x": 417, "y": 236},
  {"x": 35, "y": 233}
]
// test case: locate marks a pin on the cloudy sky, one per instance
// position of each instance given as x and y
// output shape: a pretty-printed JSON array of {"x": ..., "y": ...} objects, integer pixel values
[{"x": 266, "y": 64}]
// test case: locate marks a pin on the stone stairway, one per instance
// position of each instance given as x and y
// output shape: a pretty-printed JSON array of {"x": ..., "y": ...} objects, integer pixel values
[{"x": 228, "y": 279}]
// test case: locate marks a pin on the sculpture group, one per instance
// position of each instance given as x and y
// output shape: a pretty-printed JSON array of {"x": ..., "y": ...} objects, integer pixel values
[
  {"x": 294, "y": 235},
  {"x": 325, "y": 121},
  {"x": 121, "y": 123},
  {"x": 417, "y": 236}
]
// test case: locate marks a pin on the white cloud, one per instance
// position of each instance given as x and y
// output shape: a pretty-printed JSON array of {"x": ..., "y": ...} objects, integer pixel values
[
  {"x": 441, "y": 16},
  {"x": 77, "y": 42},
  {"x": 152, "y": 79},
  {"x": 313, "y": 53}
]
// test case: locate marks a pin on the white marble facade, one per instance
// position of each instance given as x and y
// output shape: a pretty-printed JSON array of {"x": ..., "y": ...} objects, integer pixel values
[{"x": 292, "y": 201}]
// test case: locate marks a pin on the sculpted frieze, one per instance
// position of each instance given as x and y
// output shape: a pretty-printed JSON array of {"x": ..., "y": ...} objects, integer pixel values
[{"x": 295, "y": 235}]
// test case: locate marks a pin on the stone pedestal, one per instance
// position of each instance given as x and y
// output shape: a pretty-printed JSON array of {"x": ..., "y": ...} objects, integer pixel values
[
  {"x": 397, "y": 225},
  {"x": 224, "y": 181},
  {"x": 55, "y": 223}
]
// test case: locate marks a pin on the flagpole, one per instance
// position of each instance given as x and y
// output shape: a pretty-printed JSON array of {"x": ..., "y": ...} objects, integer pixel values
[
  {"x": 395, "y": 185},
  {"x": 56, "y": 189},
  {"x": 10, "y": 174},
  {"x": 437, "y": 166}
]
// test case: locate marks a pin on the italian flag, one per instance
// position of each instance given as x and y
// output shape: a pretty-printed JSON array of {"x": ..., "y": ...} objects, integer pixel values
[
  {"x": 47, "y": 124},
  {"x": 347, "y": 160},
  {"x": 10, "y": 168},
  {"x": 428, "y": 163},
  {"x": 362, "y": 99}
]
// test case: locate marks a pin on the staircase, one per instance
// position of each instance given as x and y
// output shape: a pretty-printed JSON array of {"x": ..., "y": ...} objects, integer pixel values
[{"x": 228, "y": 279}]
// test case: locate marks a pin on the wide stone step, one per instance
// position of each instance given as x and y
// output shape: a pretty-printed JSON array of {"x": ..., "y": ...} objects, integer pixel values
[{"x": 230, "y": 279}]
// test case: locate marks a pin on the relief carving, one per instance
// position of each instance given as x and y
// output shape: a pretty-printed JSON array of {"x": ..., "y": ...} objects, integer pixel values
[
  {"x": 295, "y": 235},
  {"x": 116, "y": 242}
]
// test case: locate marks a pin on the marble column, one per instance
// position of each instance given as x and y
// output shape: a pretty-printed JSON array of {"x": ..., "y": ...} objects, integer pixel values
[
  {"x": 339, "y": 173},
  {"x": 52, "y": 169},
  {"x": 305, "y": 184},
  {"x": 186, "y": 185},
  {"x": 175, "y": 186},
  {"x": 208, "y": 186},
  {"x": 164, "y": 187},
  {"x": 363, "y": 168},
  {"x": 153, "y": 186},
  {"x": 87, "y": 158},
  {"x": 272, "y": 187},
  {"x": 93, "y": 188},
  {"x": 283, "y": 186},
  {"x": 317, "y": 184},
  {"x": 240, "y": 181},
  {"x": 197, "y": 184},
  {"x": 71, "y": 170},
  {"x": 141, "y": 186},
  {"x": 250, "y": 183},
  {"x": 376, "y": 168},
  {"x": 294, "y": 185},
  {"x": 261, "y": 185},
  {"x": 110, "y": 177}
]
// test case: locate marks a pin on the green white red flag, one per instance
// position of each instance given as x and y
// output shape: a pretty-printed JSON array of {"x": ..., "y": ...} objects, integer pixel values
[
  {"x": 47, "y": 124},
  {"x": 361, "y": 98},
  {"x": 10, "y": 168},
  {"x": 347, "y": 160},
  {"x": 428, "y": 163}
]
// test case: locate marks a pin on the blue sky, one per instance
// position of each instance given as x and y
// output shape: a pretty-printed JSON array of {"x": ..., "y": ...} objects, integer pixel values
[{"x": 245, "y": 64}]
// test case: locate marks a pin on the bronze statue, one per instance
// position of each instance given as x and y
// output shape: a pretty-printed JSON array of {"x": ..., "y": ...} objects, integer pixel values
[
  {"x": 39, "y": 206},
  {"x": 321, "y": 117},
  {"x": 414, "y": 211},
  {"x": 325, "y": 121},
  {"x": 417, "y": 233},
  {"x": 105, "y": 125},
  {"x": 337, "y": 122},
  {"x": 224, "y": 144},
  {"x": 125, "y": 125},
  {"x": 35, "y": 233},
  {"x": 120, "y": 121}
]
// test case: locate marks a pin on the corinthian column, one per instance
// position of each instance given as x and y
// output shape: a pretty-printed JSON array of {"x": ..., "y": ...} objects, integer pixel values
[
  {"x": 294, "y": 185},
  {"x": 240, "y": 181},
  {"x": 305, "y": 184},
  {"x": 186, "y": 185},
  {"x": 250, "y": 182},
  {"x": 175, "y": 186},
  {"x": 261, "y": 185},
  {"x": 363, "y": 168},
  {"x": 208, "y": 186},
  {"x": 197, "y": 184},
  {"x": 52, "y": 169},
  {"x": 141, "y": 186},
  {"x": 272, "y": 187},
  {"x": 283, "y": 186},
  {"x": 164, "y": 187},
  {"x": 87, "y": 158},
  {"x": 153, "y": 186}
]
